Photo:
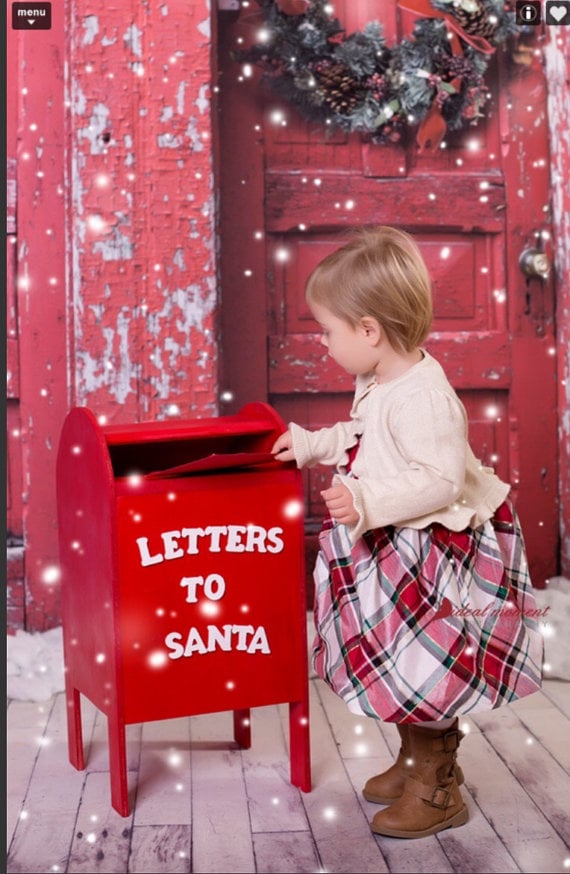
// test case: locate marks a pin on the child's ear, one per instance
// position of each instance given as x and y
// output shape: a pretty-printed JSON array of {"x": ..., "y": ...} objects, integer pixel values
[{"x": 371, "y": 329}]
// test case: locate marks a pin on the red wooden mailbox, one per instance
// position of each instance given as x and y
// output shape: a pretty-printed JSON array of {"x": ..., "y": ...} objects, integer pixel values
[{"x": 182, "y": 557}]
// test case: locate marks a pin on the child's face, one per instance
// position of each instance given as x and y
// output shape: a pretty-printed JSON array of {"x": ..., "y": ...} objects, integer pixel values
[{"x": 352, "y": 347}]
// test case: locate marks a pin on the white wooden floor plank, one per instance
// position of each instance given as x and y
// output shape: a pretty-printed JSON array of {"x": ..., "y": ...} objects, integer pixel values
[
  {"x": 41, "y": 844},
  {"x": 42, "y": 837},
  {"x": 221, "y": 832},
  {"x": 23, "y": 715},
  {"x": 52, "y": 762},
  {"x": 275, "y": 805},
  {"x": 25, "y": 726},
  {"x": 101, "y": 837},
  {"x": 97, "y": 746},
  {"x": 515, "y": 817},
  {"x": 163, "y": 784},
  {"x": 356, "y": 736},
  {"x": 285, "y": 853},
  {"x": 242, "y": 814},
  {"x": 558, "y": 691},
  {"x": 160, "y": 849},
  {"x": 536, "y": 701},
  {"x": 476, "y": 847},
  {"x": 532, "y": 765},
  {"x": 543, "y": 724},
  {"x": 339, "y": 827}
]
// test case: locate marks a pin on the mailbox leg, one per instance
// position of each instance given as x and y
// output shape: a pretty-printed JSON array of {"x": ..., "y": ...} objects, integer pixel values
[
  {"x": 242, "y": 728},
  {"x": 299, "y": 742},
  {"x": 74, "y": 728},
  {"x": 118, "y": 764}
]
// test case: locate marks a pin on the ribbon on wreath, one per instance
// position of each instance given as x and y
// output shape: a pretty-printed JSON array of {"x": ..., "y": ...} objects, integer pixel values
[
  {"x": 293, "y": 7},
  {"x": 433, "y": 127}
]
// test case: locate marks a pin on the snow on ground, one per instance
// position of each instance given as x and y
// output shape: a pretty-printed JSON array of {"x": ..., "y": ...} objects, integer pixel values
[
  {"x": 555, "y": 627},
  {"x": 35, "y": 665},
  {"x": 35, "y": 661}
]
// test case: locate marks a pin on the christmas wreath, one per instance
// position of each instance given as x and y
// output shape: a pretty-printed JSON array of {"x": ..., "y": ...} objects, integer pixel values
[{"x": 432, "y": 81}]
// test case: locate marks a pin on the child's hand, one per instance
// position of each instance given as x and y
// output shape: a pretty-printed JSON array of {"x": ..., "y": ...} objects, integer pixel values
[
  {"x": 283, "y": 447},
  {"x": 340, "y": 504}
]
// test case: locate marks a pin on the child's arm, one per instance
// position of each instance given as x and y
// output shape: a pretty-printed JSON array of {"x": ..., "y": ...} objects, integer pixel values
[
  {"x": 325, "y": 446},
  {"x": 338, "y": 499}
]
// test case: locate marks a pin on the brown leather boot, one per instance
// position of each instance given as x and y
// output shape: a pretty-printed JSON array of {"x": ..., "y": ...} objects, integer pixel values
[
  {"x": 387, "y": 787},
  {"x": 431, "y": 800}
]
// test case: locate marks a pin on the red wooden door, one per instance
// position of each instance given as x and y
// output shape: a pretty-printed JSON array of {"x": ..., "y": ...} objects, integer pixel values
[{"x": 288, "y": 193}]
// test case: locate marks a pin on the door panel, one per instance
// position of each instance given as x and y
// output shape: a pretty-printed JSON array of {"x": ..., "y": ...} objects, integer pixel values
[{"x": 472, "y": 206}]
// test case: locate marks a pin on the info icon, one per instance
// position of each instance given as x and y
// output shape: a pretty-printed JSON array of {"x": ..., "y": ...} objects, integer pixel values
[{"x": 527, "y": 12}]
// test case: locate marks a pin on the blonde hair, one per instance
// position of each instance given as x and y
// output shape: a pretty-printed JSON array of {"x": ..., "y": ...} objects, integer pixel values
[{"x": 380, "y": 273}]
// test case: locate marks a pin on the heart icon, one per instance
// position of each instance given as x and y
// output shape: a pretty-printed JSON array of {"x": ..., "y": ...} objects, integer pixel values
[
  {"x": 558, "y": 12},
  {"x": 445, "y": 610}
]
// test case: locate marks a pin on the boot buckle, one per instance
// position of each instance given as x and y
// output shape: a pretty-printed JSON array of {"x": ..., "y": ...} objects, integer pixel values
[
  {"x": 440, "y": 798},
  {"x": 454, "y": 739}
]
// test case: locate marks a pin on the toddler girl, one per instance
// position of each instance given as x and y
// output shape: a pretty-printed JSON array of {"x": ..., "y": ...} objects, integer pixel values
[{"x": 423, "y": 602}]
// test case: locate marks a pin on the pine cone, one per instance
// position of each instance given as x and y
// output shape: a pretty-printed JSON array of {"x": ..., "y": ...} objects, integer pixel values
[
  {"x": 476, "y": 23},
  {"x": 340, "y": 90}
]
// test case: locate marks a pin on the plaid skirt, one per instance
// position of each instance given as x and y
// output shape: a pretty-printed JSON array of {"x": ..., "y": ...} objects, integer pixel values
[{"x": 418, "y": 625}]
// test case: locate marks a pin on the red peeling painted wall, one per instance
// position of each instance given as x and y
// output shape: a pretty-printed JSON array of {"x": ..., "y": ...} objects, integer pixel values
[
  {"x": 143, "y": 292},
  {"x": 116, "y": 294},
  {"x": 142, "y": 232}
]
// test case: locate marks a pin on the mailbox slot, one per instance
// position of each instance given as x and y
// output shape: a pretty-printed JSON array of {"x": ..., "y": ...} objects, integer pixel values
[{"x": 164, "y": 446}]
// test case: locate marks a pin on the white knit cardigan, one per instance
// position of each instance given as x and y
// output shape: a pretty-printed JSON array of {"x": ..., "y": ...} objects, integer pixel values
[{"x": 414, "y": 464}]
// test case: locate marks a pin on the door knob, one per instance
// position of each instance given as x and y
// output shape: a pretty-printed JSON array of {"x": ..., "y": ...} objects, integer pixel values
[{"x": 535, "y": 263}]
